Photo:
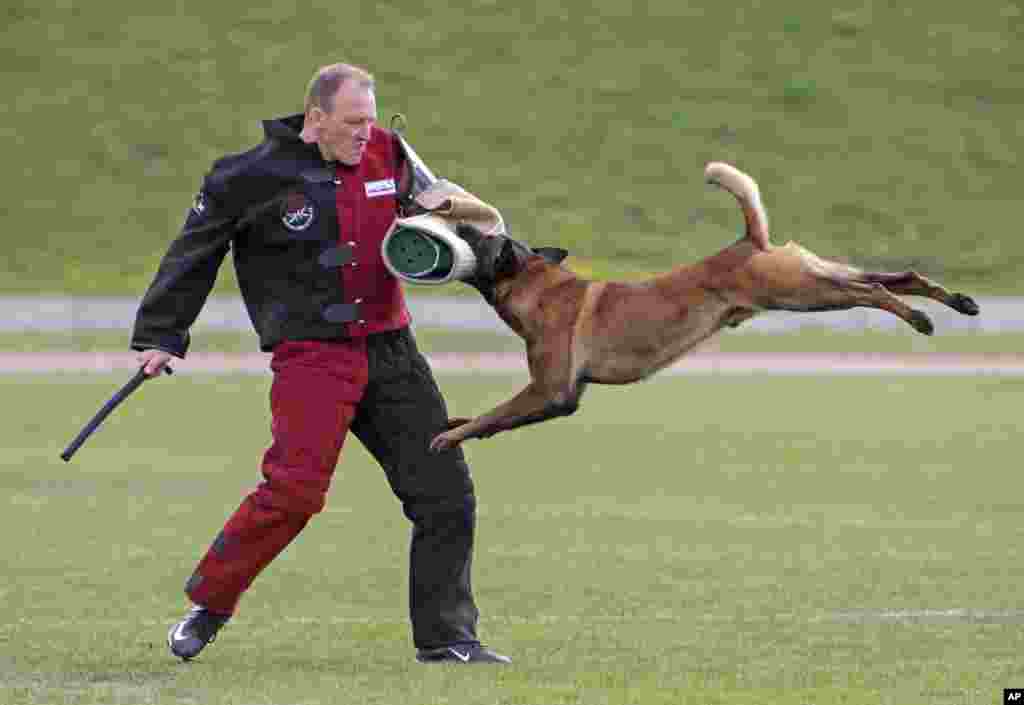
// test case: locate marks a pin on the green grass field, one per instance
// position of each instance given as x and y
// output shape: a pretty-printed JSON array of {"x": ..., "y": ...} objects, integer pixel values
[
  {"x": 886, "y": 134},
  {"x": 702, "y": 540}
]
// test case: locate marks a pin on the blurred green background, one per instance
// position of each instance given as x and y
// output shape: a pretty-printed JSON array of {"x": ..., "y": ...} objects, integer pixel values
[{"x": 885, "y": 134}]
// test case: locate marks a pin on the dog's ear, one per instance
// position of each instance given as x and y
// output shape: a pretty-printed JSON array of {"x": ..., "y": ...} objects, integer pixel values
[
  {"x": 505, "y": 262},
  {"x": 554, "y": 255}
]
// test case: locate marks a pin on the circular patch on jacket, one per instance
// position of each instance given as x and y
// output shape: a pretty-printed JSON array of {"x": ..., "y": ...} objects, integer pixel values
[{"x": 299, "y": 212}]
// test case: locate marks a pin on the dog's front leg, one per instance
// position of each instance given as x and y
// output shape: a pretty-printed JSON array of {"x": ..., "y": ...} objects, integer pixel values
[{"x": 532, "y": 405}]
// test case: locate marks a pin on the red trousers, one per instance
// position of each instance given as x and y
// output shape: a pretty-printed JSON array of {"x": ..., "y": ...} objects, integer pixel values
[
  {"x": 383, "y": 390},
  {"x": 313, "y": 399}
]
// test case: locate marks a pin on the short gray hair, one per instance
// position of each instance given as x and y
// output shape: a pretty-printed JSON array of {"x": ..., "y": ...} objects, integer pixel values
[{"x": 328, "y": 79}]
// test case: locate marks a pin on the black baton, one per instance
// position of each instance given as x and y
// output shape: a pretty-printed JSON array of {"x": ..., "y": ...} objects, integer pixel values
[{"x": 122, "y": 394}]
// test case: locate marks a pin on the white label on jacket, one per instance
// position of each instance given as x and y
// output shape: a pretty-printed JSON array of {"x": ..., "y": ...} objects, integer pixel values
[{"x": 384, "y": 187}]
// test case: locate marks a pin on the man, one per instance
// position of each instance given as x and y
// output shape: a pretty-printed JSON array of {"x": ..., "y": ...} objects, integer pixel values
[{"x": 304, "y": 214}]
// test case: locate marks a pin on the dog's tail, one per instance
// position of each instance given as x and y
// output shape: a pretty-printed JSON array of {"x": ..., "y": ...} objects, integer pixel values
[{"x": 748, "y": 194}]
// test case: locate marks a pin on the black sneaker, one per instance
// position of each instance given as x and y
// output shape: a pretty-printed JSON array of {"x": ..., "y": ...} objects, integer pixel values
[
  {"x": 460, "y": 653},
  {"x": 191, "y": 635}
]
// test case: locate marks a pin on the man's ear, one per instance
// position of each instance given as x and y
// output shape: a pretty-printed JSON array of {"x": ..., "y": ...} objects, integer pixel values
[
  {"x": 554, "y": 255},
  {"x": 311, "y": 126}
]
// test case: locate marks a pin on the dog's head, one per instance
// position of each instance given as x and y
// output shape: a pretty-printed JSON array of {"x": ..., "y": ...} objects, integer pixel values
[{"x": 499, "y": 257}]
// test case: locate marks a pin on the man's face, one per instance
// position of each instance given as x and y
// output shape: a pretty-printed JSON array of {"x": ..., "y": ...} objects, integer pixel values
[{"x": 345, "y": 130}]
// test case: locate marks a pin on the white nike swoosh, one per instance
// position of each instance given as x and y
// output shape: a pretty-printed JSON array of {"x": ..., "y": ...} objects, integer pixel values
[
  {"x": 462, "y": 657},
  {"x": 178, "y": 635}
]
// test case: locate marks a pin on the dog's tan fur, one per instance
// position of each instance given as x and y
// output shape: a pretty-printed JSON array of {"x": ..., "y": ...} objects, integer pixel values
[{"x": 580, "y": 331}]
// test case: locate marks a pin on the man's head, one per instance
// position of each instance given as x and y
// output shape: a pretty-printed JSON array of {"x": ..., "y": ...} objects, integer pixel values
[{"x": 341, "y": 108}]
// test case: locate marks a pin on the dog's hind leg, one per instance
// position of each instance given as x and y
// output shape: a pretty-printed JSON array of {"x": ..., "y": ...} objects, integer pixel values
[
  {"x": 841, "y": 294},
  {"x": 907, "y": 283},
  {"x": 913, "y": 284},
  {"x": 792, "y": 278}
]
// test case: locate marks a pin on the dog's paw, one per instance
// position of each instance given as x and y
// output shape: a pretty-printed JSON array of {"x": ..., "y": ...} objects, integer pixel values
[
  {"x": 921, "y": 322},
  {"x": 964, "y": 304},
  {"x": 444, "y": 441}
]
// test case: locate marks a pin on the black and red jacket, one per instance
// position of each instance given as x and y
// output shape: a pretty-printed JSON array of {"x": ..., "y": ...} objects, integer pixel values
[{"x": 305, "y": 235}]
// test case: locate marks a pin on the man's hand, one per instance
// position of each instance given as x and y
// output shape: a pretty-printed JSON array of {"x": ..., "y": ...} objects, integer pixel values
[{"x": 154, "y": 361}]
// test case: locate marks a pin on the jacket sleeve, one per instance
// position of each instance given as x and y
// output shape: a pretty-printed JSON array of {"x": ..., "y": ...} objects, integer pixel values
[{"x": 187, "y": 272}]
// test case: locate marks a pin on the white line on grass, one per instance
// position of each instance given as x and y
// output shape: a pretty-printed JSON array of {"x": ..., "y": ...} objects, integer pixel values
[{"x": 954, "y": 614}]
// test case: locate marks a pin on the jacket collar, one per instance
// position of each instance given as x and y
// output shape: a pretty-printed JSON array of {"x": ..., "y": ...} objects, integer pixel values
[
  {"x": 285, "y": 128},
  {"x": 286, "y": 131},
  {"x": 288, "y": 128}
]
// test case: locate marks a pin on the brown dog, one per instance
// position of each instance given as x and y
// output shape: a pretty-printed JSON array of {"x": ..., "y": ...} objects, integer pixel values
[{"x": 579, "y": 331}]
